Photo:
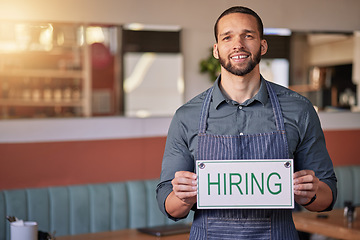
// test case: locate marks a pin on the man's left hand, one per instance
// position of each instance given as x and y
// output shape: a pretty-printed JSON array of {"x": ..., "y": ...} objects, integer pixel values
[{"x": 306, "y": 185}]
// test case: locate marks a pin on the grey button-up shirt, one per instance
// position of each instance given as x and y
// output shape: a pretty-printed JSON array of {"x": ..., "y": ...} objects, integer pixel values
[{"x": 226, "y": 117}]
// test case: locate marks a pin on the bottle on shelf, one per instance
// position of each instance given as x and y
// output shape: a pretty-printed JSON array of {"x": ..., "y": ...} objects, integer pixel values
[
  {"x": 47, "y": 91},
  {"x": 26, "y": 89},
  {"x": 57, "y": 91},
  {"x": 35, "y": 90},
  {"x": 67, "y": 92},
  {"x": 76, "y": 93}
]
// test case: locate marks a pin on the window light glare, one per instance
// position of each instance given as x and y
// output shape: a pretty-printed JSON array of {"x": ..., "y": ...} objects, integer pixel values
[
  {"x": 277, "y": 31},
  {"x": 134, "y": 26},
  {"x": 94, "y": 34}
]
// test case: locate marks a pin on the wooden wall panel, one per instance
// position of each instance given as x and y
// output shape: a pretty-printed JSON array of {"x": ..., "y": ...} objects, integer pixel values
[
  {"x": 343, "y": 146},
  {"x": 79, "y": 162}
]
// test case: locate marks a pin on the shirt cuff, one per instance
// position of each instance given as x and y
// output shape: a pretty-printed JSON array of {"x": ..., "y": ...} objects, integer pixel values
[
  {"x": 162, "y": 192},
  {"x": 332, "y": 185}
]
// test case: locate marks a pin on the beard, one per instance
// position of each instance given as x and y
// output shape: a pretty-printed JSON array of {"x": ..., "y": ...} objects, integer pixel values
[{"x": 241, "y": 71}]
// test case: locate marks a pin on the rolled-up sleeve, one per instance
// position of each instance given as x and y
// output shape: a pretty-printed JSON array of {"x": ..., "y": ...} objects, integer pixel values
[
  {"x": 312, "y": 153},
  {"x": 177, "y": 157}
]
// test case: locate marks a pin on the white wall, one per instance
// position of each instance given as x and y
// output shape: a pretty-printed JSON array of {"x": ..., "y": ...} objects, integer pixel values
[
  {"x": 81, "y": 129},
  {"x": 196, "y": 17}
]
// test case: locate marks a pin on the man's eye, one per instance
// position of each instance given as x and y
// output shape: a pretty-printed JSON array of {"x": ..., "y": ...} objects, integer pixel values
[{"x": 226, "y": 38}]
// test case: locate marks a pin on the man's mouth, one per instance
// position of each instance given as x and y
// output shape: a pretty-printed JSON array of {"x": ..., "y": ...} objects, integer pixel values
[{"x": 239, "y": 56}]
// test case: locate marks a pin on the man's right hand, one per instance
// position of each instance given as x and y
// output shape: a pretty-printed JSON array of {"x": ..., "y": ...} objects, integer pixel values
[
  {"x": 183, "y": 197},
  {"x": 185, "y": 186}
]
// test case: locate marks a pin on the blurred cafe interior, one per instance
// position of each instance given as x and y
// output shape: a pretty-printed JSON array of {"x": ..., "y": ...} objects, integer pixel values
[{"x": 88, "y": 88}]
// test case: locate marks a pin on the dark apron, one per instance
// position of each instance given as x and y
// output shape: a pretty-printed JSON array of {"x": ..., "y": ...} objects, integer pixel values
[{"x": 243, "y": 223}]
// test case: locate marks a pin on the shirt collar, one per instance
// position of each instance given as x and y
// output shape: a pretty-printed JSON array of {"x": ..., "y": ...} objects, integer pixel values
[{"x": 218, "y": 97}]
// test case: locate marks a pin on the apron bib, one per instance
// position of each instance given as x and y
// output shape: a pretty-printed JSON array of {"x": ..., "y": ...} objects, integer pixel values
[{"x": 243, "y": 223}]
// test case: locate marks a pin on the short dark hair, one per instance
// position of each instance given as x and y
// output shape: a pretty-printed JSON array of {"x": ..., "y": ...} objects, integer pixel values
[{"x": 240, "y": 9}]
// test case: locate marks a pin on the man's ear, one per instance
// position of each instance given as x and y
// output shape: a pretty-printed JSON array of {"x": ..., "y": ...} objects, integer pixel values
[
  {"x": 215, "y": 51},
  {"x": 264, "y": 47}
]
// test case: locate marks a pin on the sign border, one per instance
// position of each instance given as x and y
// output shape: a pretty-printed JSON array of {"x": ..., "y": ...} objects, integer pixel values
[{"x": 247, "y": 206}]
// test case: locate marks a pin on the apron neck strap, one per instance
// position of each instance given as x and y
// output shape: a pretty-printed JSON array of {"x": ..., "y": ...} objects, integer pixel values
[
  {"x": 279, "y": 120},
  {"x": 205, "y": 111}
]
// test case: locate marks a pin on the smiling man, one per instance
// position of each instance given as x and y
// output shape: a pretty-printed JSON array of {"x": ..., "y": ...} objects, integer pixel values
[{"x": 243, "y": 116}]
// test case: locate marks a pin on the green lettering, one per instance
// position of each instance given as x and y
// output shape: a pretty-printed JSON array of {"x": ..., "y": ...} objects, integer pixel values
[
  {"x": 235, "y": 183},
  {"x": 214, "y": 183},
  {"x": 276, "y": 184},
  {"x": 261, "y": 188},
  {"x": 246, "y": 184}
]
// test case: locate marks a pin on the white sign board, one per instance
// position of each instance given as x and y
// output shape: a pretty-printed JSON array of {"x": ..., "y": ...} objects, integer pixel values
[{"x": 245, "y": 183}]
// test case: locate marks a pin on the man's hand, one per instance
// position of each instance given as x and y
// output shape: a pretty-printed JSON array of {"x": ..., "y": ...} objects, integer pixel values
[
  {"x": 185, "y": 186},
  {"x": 306, "y": 185},
  {"x": 180, "y": 201}
]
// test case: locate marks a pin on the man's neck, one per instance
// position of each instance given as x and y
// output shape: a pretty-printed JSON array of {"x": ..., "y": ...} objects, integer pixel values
[{"x": 240, "y": 88}]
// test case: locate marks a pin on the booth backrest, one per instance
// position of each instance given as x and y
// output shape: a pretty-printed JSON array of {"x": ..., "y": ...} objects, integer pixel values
[
  {"x": 71, "y": 210},
  {"x": 348, "y": 185}
]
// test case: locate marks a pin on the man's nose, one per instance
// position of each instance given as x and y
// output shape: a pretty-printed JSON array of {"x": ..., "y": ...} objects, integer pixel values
[{"x": 238, "y": 43}]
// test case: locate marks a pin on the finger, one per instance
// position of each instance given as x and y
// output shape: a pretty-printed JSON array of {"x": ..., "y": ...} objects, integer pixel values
[
  {"x": 185, "y": 191},
  {"x": 184, "y": 184},
  {"x": 303, "y": 173},
  {"x": 306, "y": 179},
  {"x": 184, "y": 188},
  {"x": 186, "y": 174},
  {"x": 305, "y": 187},
  {"x": 188, "y": 197},
  {"x": 183, "y": 181},
  {"x": 184, "y": 178},
  {"x": 307, "y": 194},
  {"x": 185, "y": 194}
]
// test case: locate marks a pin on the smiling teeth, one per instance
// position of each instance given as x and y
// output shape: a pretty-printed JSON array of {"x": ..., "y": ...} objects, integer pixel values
[{"x": 240, "y": 57}]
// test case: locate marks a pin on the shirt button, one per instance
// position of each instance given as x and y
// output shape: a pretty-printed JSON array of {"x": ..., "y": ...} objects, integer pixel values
[
  {"x": 240, "y": 107},
  {"x": 241, "y": 134}
]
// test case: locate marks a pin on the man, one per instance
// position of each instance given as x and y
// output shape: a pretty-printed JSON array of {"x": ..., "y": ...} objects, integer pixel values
[{"x": 243, "y": 116}]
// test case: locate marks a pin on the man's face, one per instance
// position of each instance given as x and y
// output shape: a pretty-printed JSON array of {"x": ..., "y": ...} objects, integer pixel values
[{"x": 239, "y": 48}]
